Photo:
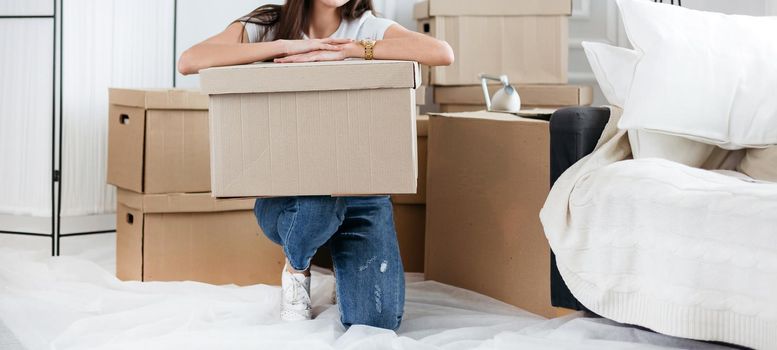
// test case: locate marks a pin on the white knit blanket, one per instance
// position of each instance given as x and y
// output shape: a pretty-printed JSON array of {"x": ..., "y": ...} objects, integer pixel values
[{"x": 683, "y": 251}]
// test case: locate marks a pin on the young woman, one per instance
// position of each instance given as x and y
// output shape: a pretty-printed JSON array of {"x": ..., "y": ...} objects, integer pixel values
[{"x": 359, "y": 230}]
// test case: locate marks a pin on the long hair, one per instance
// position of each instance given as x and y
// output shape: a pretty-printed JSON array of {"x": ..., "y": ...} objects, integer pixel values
[{"x": 290, "y": 20}]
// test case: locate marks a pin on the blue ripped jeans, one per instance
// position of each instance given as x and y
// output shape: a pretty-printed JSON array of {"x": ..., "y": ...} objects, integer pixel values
[{"x": 361, "y": 236}]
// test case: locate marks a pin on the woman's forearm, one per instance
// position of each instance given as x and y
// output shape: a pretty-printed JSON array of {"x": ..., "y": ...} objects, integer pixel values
[
  {"x": 206, "y": 55},
  {"x": 401, "y": 44},
  {"x": 428, "y": 51}
]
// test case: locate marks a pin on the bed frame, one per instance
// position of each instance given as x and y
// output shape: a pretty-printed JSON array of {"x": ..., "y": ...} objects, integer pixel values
[{"x": 574, "y": 133}]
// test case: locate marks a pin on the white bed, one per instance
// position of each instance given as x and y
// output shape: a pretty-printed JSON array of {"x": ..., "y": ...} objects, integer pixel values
[{"x": 680, "y": 250}]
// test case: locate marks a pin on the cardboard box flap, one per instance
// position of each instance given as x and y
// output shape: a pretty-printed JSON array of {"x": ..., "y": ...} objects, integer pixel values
[
  {"x": 159, "y": 98},
  {"x": 531, "y": 95},
  {"x": 431, "y": 8},
  {"x": 180, "y": 202},
  {"x": 422, "y": 125},
  {"x": 507, "y": 117},
  {"x": 315, "y": 76}
]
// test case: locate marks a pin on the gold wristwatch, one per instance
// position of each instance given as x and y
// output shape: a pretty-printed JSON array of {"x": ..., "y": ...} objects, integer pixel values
[{"x": 369, "y": 46}]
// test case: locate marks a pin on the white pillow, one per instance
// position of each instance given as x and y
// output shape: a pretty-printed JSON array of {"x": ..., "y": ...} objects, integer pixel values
[
  {"x": 648, "y": 144},
  {"x": 614, "y": 70},
  {"x": 706, "y": 76}
]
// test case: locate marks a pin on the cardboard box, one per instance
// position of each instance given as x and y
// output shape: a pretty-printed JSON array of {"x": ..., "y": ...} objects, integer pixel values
[
  {"x": 426, "y": 74},
  {"x": 422, "y": 128},
  {"x": 192, "y": 237},
  {"x": 470, "y": 98},
  {"x": 488, "y": 179},
  {"x": 158, "y": 141},
  {"x": 433, "y": 8},
  {"x": 420, "y": 96},
  {"x": 324, "y": 128},
  {"x": 410, "y": 222},
  {"x": 420, "y": 99},
  {"x": 527, "y": 40}
]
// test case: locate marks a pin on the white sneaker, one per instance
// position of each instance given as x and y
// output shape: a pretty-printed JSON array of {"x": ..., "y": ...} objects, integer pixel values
[{"x": 295, "y": 296}]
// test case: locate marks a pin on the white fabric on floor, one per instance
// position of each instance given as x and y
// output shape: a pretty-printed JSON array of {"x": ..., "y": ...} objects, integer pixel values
[{"x": 76, "y": 303}]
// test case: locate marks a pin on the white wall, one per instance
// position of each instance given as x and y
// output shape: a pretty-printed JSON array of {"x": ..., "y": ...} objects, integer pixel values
[
  {"x": 398, "y": 10},
  {"x": 107, "y": 43},
  {"x": 771, "y": 7},
  {"x": 740, "y": 7},
  {"x": 26, "y": 7}
]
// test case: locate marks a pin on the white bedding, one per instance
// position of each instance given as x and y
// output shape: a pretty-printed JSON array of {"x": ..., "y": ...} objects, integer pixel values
[
  {"x": 680, "y": 250},
  {"x": 73, "y": 303}
]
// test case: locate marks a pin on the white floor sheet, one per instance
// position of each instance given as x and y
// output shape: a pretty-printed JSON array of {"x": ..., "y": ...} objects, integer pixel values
[{"x": 75, "y": 302}]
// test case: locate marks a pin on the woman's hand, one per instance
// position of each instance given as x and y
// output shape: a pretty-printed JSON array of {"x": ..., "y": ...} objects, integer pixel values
[
  {"x": 229, "y": 47},
  {"x": 297, "y": 47},
  {"x": 398, "y": 43},
  {"x": 313, "y": 56},
  {"x": 345, "y": 50}
]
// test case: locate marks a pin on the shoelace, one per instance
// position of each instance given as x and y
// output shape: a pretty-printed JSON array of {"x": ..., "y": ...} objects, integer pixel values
[{"x": 299, "y": 299}]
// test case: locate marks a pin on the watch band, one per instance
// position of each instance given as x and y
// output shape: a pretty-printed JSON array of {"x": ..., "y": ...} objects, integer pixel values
[{"x": 369, "y": 49}]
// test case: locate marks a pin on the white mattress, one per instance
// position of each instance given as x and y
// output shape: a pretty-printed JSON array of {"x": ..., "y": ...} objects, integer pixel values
[{"x": 680, "y": 250}]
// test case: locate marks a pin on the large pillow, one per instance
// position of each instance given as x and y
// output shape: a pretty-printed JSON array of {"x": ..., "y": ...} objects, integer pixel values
[
  {"x": 648, "y": 144},
  {"x": 705, "y": 76},
  {"x": 760, "y": 164},
  {"x": 614, "y": 70}
]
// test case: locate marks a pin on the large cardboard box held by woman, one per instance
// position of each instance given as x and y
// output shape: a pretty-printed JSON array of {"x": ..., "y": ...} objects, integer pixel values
[
  {"x": 409, "y": 213},
  {"x": 324, "y": 128}
]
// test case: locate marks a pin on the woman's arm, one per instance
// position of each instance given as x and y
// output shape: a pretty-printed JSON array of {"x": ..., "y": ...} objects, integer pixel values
[
  {"x": 401, "y": 44},
  {"x": 398, "y": 44},
  {"x": 229, "y": 48}
]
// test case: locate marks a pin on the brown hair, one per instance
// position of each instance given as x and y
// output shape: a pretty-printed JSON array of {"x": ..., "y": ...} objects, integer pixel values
[{"x": 290, "y": 20}]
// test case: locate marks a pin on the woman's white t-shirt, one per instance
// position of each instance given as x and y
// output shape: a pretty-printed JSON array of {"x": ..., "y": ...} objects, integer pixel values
[{"x": 365, "y": 27}]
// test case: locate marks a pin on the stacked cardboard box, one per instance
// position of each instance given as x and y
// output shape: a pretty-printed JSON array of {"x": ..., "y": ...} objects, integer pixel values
[
  {"x": 488, "y": 177},
  {"x": 526, "y": 40},
  {"x": 273, "y": 131},
  {"x": 167, "y": 224},
  {"x": 173, "y": 237},
  {"x": 470, "y": 98}
]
